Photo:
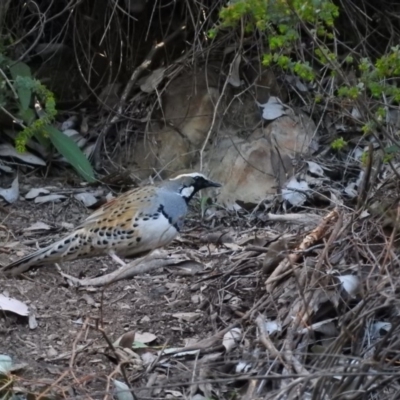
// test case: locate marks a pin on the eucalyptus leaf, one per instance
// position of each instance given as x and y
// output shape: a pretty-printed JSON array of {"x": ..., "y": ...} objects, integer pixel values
[
  {"x": 122, "y": 391},
  {"x": 5, "y": 363},
  {"x": 70, "y": 150}
]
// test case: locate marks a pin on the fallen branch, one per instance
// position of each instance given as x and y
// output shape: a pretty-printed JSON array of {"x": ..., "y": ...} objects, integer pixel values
[
  {"x": 316, "y": 235},
  {"x": 139, "y": 266}
]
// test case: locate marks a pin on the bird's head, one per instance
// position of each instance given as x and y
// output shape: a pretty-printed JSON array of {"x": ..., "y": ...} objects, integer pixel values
[{"x": 189, "y": 184}]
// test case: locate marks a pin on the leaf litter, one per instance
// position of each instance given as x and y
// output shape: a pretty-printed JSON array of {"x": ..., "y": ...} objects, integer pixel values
[{"x": 281, "y": 305}]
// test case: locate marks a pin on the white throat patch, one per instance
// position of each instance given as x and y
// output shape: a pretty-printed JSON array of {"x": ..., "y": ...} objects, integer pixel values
[
  {"x": 192, "y": 175},
  {"x": 187, "y": 191}
]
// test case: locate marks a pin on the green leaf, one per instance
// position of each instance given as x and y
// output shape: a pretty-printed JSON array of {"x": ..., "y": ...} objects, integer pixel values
[
  {"x": 24, "y": 96},
  {"x": 393, "y": 149},
  {"x": 24, "y": 93},
  {"x": 27, "y": 115},
  {"x": 69, "y": 149},
  {"x": 20, "y": 69},
  {"x": 139, "y": 345},
  {"x": 44, "y": 141}
]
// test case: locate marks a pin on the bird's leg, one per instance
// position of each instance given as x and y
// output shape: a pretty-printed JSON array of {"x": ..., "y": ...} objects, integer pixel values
[{"x": 112, "y": 254}]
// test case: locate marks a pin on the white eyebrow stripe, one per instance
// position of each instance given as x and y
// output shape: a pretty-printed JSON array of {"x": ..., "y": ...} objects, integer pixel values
[{"x": 192, "y": 175}]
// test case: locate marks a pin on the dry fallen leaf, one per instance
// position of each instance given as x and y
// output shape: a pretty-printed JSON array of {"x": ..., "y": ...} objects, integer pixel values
[
  {"x": 86, "y": 198},
  {"x": 13, "y": 305},
  {"x": 11, "y": 194},
  {"x": 187, "y": 316},
  {"x": 38, "y": 226},
  {"x": 49, "y": 198},
  {"x": 35, "y": 192},
  {"x": 145, "y": 337},
  {"x": 9, "y": 151},
  {"x": 232, "y": 338}
]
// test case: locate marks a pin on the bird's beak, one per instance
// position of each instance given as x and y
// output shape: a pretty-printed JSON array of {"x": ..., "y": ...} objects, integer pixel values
[{"x": 213, "y": 184}]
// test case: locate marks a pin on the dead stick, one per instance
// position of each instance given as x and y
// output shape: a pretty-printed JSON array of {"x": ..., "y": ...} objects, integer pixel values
[{"x": 317, "y": 234}]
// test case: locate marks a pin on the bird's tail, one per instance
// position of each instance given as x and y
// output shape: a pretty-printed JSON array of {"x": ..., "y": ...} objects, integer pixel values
[{"x": 65, "y": 249}]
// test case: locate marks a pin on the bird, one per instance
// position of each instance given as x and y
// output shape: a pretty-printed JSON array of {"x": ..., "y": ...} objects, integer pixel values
[{"x": 134, "y": 223}]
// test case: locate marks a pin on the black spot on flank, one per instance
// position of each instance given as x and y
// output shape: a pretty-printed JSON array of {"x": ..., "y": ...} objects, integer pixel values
[
  {"x": 135, "y": 225},
  {"x": 108, "y": 234},
  {"x": 138, "y": 239},
  {"x": 60, "y": 246},
  {"x": 99, "y": 242},
  {"x": 146, "y": 219},
  {"x": 96, "y": 230},
  {"x": 105, "y": 241},
  {"x": 84, "y": 254},
  {"x": 130, "y": 243},
  {"x": 53, "y": 252},
  {"x": 67, "y": 241},
  {"x": 101, "y": 233},
  {"x": 130, "y": 232},
  {"x": 136, "y": 219}
]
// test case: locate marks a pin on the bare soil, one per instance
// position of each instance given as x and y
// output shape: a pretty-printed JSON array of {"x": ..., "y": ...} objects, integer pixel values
[{"x": 66, "y": 352}]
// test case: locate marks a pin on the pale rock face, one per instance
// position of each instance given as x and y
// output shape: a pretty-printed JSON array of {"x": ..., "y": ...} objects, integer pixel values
[{"x": 252, "y": 169}]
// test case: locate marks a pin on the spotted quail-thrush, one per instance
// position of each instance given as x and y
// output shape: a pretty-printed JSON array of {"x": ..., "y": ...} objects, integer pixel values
[{"x": 134, "y": 223}]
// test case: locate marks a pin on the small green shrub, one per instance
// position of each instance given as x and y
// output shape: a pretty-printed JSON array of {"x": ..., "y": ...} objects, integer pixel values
[{"x": 18, "y": 90}]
